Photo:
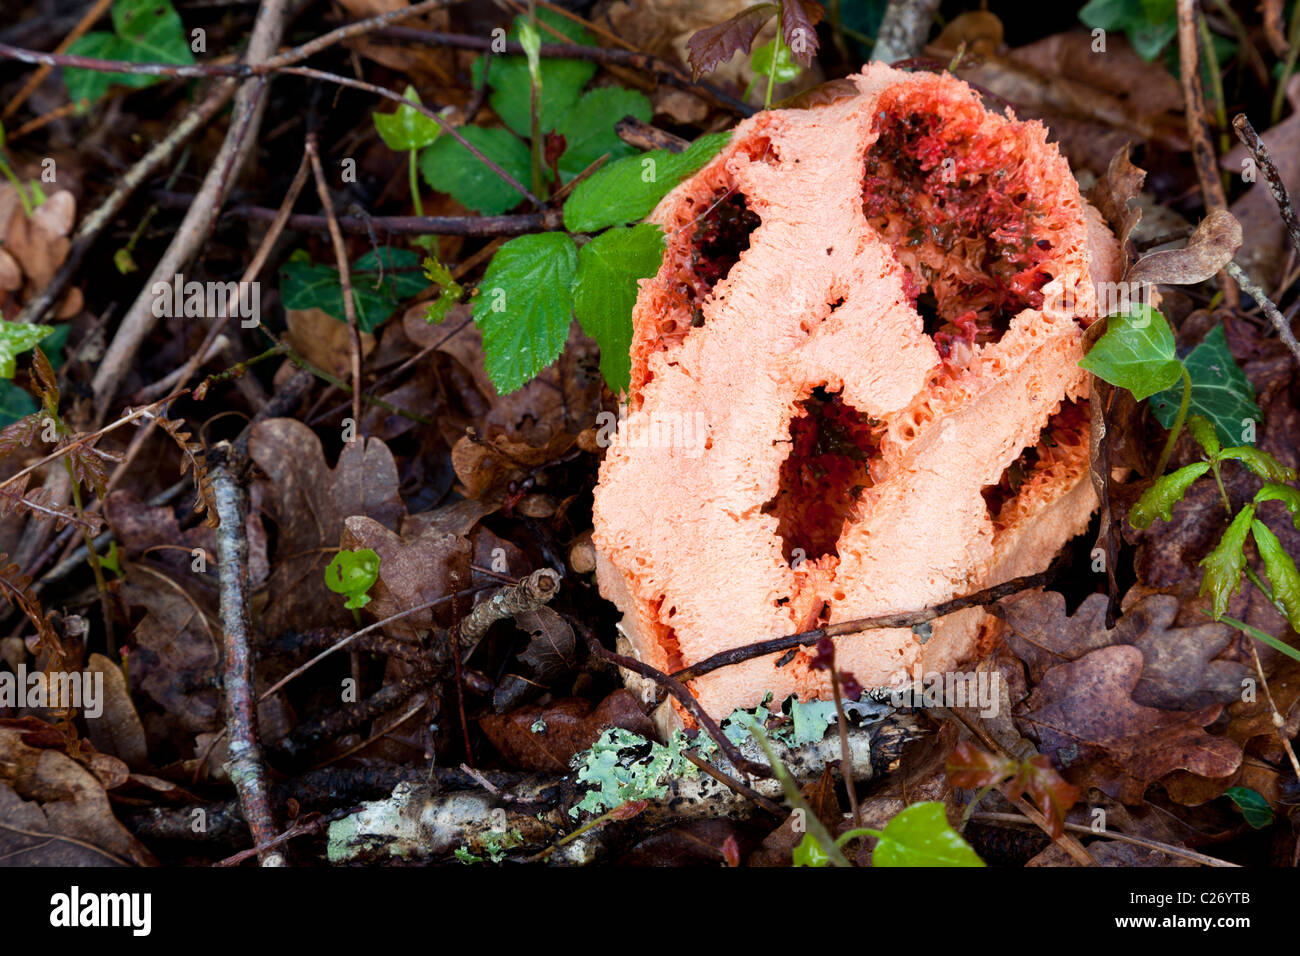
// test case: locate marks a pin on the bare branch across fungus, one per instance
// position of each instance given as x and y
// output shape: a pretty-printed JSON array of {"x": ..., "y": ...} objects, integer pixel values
[{"x": 985, "y": 598}]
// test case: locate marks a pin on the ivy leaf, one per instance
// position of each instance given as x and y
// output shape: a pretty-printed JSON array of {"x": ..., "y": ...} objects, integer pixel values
[
  {"x": 144, "y": 31},
  {"x": 709, "y": 48},
  {"x": 1220, "y": 390},
  {"x": 588, "y": 129},
  {"x": 1136, "y": 353},
  {"x": 920, "y": 835},
  {"x": 1165, "y": 492},
  {"x": 561, "y": 80},
  {"x": 15, "y": 339},
  {"x": 407, "y": 128},
  {"x": 1260, "y": 462},
  {"x": 629, "y": 189},
  {"x": 604, "y": 293},
  {"x": 1224, "y": 565},
  {"x": 1283, "y": 493},
  {"x": 449, "y": 167},
  {"x": 524, "y": 306},
  {"x": 381, "y": 279},
  {"x": 1281, "y": 571},
  {"x": 353, "y": 573},
  {"x": 1254, "y": 808}
]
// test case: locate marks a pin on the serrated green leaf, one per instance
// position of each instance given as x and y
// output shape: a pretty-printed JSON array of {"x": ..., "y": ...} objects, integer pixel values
[
  {"x": 15, "y": 339},
  {"x": 562, "y": 80},
  {"x": 1203, "y": 431},
  {"x": 1136, "y": 353},
  {"x": 1225, "y": 564},
  {"x": 1165, "y": 492},
  {"x": 144, "y": 31},
  {"x": 920, "y": 835},
  {"x": 629, "y": 189},
  {"x": 588, "y": 129},
  {"x": 609, "y": 268},
  {"x": 1220, "y": 390},
  {"x": 1260, "y": 462},
  {"x": 1254, "y": 808},
  {"x": 1280, "y": 569},
  {"x": 524, "y": 306},
  {"x": 1283, "y": 493},
  {"x": 353, "y": 573},
  {"x": 406, "y": 128},
  {"x": 381, "y": 279},
  {"x": 450, "y": 168}
]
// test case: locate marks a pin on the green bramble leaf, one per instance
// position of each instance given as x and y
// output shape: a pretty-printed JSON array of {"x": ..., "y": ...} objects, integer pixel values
[
  {"x": 1260, "y": 462},
  {"x": 561, "y": 80},
  {"x": 920, "y": 835},
  {"x": 1136, "y": 352},
  {"x": 381, "y": 279},
  {"x": 1220, "y": 390},
  {"x": 588, "y": 129},
  {"x": 605, "y": 290},
  {"x": 449, "y": 167},
  {"x": 1283, "y": 493},
  {"x": 15, "y": 339},
  {"x": 1225, "y": 564},
  {"x": 1254, "y": 808},
  {"x": 524, "y": 306},
  {"x": 1280, "y": 569},
  {"x": 353, "y": 573},
  {"x": 407, "y": 128},
  {"x": 629, "y": 189},
  {"x": 144, "y": 31},
  {"x": 1165, "y": 492}
]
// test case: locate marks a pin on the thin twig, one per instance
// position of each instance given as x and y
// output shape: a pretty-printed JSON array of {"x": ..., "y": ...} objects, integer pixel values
[
  {"x": 1207, "y": 165},
  {"x": 1172, "y": 850},
  {"x": 1277, "y": 318},
  {"x": 345, "y": 276},
  {"x": 246, "y": 767},
  {"x": 97, "y": 10},
  {"x": 1246, "y": 133}
]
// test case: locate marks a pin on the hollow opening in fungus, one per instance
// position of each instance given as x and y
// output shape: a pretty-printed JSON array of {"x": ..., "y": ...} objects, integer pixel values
[
  {"x": 961, "y": 223},
  {"x": 825, "y": 474},
  {"x": 1065, "y": 429},
  {"x": 721, "y": 236}
]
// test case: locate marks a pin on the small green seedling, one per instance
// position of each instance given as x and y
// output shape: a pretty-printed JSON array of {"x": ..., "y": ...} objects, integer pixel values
[
  {"x": 408, "y": 130},
  {"x": 353, "y": 573}
]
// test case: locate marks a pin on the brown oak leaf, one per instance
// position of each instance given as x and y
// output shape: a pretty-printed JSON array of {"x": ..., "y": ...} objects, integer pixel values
[{"x": 1084, "y": 716}]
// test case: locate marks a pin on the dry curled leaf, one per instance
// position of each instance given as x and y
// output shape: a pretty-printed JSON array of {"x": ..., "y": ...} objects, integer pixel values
[
  {"x": 1211, "y": 247},
  {"x": 1116, "y": 195}
]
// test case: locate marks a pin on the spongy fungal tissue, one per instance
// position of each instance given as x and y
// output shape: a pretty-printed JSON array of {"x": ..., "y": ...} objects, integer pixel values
[{"x": 876, "y": 306}]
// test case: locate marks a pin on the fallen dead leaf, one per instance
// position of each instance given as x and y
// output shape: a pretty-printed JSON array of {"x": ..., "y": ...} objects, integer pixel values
[
  {"x": 308, "y": 502},
  {"x": 1085, "y": 718},
  {"x": 565, "y": 727}
]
